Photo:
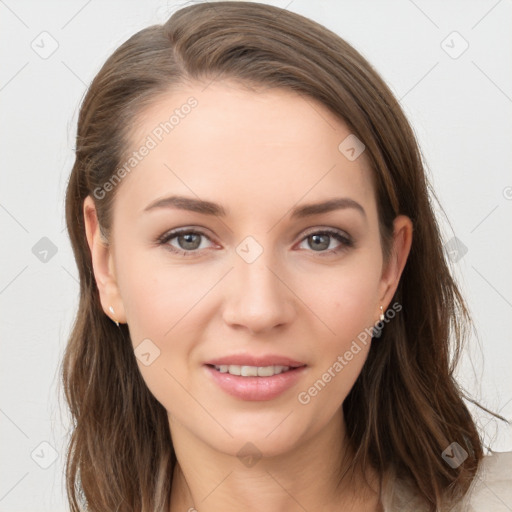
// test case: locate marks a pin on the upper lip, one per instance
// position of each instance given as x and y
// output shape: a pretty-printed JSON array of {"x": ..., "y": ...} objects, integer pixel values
[{"x": 250, "y": 360}]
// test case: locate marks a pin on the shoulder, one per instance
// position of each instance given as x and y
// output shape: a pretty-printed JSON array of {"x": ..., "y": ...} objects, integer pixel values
[
  {"x": 492, "y": 486},
  {"x": 491, "y": 489}
]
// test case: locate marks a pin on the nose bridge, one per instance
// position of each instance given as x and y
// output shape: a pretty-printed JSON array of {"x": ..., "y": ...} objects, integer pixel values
[
  {"x": 259, "y": 300},
  {"x": 253, "y": 270}
]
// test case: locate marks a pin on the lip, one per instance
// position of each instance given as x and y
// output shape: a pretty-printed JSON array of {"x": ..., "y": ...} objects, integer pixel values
[
  {"x": 250, "y": 360},
  {"x": 255, "y": 388}
]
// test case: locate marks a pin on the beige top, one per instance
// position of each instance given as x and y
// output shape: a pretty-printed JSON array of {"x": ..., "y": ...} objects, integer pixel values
[{"x": 491, "y": 490}]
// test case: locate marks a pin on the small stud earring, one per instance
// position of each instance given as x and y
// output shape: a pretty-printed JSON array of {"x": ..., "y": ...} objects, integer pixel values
[
  {"x": 377, "y": 330},
  {"x": 111, "y": 309}
]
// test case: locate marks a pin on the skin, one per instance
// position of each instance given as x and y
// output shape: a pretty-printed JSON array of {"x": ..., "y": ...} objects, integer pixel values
[{"x": 259, "y": 154}]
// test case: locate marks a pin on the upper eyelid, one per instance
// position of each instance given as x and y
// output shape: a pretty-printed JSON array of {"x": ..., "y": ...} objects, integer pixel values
[
  {"x": 312, "y": 231},
  {"x": 173, "y": 233}
]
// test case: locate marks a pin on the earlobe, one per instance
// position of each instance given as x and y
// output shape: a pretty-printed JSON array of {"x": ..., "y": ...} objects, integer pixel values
[
  {"x": 402, "y": 241},
  {"x": 102, "y": 263}
]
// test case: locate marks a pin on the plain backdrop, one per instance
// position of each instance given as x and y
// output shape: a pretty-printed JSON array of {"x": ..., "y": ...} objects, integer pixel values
[{"x": 447, "y": 62}]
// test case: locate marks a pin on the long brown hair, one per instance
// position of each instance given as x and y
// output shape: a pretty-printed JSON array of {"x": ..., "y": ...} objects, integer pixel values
[{"x": 405, "y": 407}]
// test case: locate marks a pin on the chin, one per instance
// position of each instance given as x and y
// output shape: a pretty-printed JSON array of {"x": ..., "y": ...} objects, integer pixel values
[{"x": 266, "y": 434}]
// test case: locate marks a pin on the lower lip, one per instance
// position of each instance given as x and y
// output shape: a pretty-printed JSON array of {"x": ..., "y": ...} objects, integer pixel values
[{"x": 256, "y": 388}]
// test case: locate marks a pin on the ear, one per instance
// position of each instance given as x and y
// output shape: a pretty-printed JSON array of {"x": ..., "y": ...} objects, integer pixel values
[
  {"x": 103, "y": 264},
  {"x": 402, "y": 240}
]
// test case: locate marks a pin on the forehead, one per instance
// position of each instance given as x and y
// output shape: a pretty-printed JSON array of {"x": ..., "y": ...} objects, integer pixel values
[{"x": 269, "y": 146}]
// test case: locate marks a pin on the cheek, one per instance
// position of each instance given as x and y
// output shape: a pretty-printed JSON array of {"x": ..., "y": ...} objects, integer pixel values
[
  {"x": 157, "y": 301},
  {"x": 162, "y": 303},
  {"x": 343, "y": 299},
  {"x": 157, "y": 295}
]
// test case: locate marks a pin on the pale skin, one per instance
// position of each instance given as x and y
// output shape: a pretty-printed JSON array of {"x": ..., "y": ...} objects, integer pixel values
[{"x": 259, "y": 155}]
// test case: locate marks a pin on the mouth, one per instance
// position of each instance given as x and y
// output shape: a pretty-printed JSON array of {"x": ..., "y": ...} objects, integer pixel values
[{"x": 255, "y": 383}]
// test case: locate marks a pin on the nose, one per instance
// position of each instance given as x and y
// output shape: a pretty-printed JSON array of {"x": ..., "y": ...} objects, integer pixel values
[{"x": 259, "y": 298}]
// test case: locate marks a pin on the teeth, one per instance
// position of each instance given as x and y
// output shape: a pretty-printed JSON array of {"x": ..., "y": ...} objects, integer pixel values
[
  {"x": 252, "y": 371},
  {"x": 249, "y": 371}
]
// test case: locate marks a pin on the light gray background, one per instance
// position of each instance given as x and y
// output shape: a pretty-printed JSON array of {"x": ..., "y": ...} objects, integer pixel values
[{"x": 460, "y": 109}]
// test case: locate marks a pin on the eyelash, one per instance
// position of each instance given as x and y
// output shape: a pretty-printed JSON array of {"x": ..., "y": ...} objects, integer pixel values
[{"x": 164, "y": 239}]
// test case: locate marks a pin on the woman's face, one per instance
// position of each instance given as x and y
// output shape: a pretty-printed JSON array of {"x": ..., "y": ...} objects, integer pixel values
[{"x": 259, "y": 280}]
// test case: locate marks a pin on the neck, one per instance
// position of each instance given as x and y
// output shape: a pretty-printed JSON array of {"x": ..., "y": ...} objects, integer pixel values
[{"x": 313, "y": 476}]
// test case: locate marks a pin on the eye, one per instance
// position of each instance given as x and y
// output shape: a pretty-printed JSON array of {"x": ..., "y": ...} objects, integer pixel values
[
  {"x": 321, "y": 240},
  {"x": 188, "y": 240}
]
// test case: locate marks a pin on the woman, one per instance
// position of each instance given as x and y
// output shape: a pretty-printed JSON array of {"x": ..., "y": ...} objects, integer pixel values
[{"x": 265, "y": 308}]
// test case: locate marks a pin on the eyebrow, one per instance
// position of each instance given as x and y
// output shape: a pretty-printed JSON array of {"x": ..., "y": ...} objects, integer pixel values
[{"x": 211, "y": 208}]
